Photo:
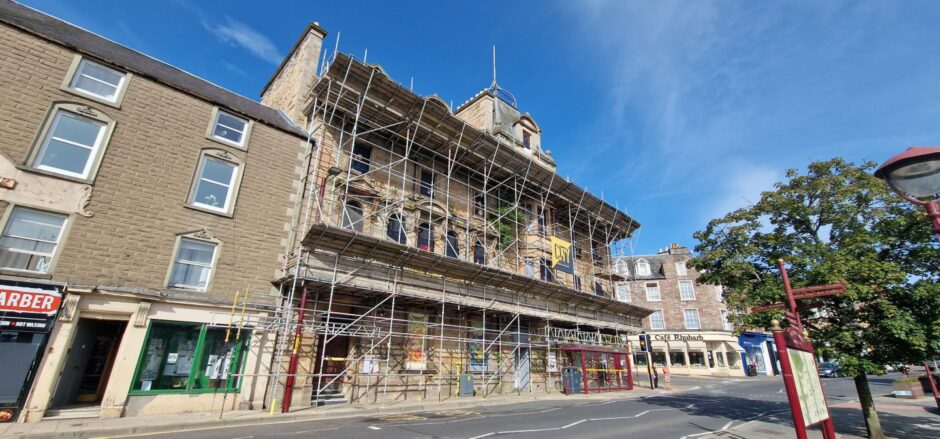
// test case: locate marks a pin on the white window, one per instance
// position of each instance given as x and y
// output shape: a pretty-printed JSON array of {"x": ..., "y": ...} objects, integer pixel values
[
  {"x": 724, "y": 320},
  {"x": 531, "y": 267},
  {"x": 98, "y": 81},
  {"x": 229, "y": 128},
  {"x": 623, "y": 291},
  {"x": 71, "y": 144},
  {"x": 686, "y": 292},
  {"x": 720, "y": 292},
  {"x": 643, "y": 268},
  {"x": 652, "y": 292},
  {"x": 622, "y": 267},
  {"x": 192, "y": 266},
  {"x": 691, "y": 318},
  {"x": 656, "y": 320},
  {"x": 30, "y": 239},
  {"x": 215, "y": 181},
  {"x": 681, "y": 269}
]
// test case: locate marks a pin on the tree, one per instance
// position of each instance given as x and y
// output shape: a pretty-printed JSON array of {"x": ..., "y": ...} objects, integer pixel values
[{"x": 836, "y": 223}]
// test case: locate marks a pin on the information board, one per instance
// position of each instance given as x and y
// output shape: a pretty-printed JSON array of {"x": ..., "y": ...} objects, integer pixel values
[{"x": 808, "y": 388}]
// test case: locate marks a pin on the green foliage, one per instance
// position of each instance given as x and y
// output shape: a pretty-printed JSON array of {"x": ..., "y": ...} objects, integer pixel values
[
  {"x": 835, "y": 223},
  {"x": 506, "y": 221}
]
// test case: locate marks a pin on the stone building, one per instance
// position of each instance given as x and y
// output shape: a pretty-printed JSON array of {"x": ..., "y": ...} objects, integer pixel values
[
  {"x": 141, "y": 198},
  {"x": 441, "y": 254},
  {"x": 688, "y": 326}
]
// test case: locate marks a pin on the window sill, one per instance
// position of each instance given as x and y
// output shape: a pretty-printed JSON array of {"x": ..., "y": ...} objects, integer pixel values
[
  {"x": 229, "y": 143},
  {"x": 188, "y": 290},
  {"x": 52, "y": 174},
  {"x": 24, "y": 273},
  {"x": 179, "y": 391},
  {"x": 210, "y": 211},
  {"x": 98, "y": 99}
]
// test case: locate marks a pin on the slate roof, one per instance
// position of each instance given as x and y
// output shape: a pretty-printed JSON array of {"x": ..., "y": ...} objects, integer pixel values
[
  {"x": 88, "y": 43},
  {"x": 656, "y": 266}
]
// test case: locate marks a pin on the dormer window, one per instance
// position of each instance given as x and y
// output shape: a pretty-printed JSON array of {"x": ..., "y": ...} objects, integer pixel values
[
  {"x": 527, "y": 139},
  {"x": 642, "y": 268}
]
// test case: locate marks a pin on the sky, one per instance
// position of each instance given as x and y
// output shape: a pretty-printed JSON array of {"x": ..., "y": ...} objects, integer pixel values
[{"x": 676, "y": 112}]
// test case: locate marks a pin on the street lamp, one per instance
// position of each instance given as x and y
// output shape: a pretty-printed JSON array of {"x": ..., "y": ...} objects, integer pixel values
[{"x": 915, "y": 175}]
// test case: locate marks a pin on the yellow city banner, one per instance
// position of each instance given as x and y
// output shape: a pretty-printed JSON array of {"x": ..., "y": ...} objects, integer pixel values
[{"x": 562, "y": 259}]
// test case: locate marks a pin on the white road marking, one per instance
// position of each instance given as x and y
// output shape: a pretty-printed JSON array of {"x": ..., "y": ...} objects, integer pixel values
[{"x": 372, "y": 427}]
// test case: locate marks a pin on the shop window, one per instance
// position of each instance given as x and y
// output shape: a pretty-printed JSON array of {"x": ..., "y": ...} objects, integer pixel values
[
  {"x": 659, "y": 358},
  {"x": 677, "y": 358},
  {"x": 686, "y": 292},
  {"x": 479, "y": 253},
  {"x": 352, "y": 216},
  {"x": 427, "y": 183},
  {"x": 30, "y": 239},
  {"x": 452, "y": 248},
  {"x": 396, "y": 229},
  {"x": 696, "y": 359},
  {"x": 189, "y": 358},
  {"x": 426, "y": 237},
  {"x": 361, "y": 158},
  {"x": 720, "y": 359}
]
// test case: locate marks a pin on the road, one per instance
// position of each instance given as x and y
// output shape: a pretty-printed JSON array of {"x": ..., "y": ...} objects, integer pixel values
[{"x": 711, "y": 405}]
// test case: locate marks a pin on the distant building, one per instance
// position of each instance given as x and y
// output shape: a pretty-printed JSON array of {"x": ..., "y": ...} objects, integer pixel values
[{"x": 689, "y": 325}]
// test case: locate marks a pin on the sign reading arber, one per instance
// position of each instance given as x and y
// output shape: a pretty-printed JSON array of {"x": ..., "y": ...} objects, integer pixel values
[{"x": 29, "y": 300}]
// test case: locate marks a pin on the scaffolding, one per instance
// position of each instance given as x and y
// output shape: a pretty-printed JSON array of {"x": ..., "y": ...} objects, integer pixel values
[{"x": 423, "y": 256}]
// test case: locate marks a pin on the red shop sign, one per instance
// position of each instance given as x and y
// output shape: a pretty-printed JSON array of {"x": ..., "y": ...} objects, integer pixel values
[{"x": 29, "y": 300}]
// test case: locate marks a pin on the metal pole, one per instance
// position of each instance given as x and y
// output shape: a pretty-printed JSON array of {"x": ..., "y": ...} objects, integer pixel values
[{"x": 294, "y": 357}]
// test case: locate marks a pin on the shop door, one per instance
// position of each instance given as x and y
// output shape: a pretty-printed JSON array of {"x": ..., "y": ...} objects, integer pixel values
[
  {"x": 523, "y": 371},
  {"x": 334, "y": 362},
  {"x": 90, "y": 360}
]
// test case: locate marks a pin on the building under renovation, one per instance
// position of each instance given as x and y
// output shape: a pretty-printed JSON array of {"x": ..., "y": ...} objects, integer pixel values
[{"x": 439, "y": 254}]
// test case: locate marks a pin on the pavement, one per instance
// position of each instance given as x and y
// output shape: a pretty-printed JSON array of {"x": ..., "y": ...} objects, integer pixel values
[{"x": 696, "y": 408}]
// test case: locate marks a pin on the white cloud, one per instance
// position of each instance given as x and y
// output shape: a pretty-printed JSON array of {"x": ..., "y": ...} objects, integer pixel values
[
  {"x": 239, "y": 34},
  {"x": 741, "y": 188}
]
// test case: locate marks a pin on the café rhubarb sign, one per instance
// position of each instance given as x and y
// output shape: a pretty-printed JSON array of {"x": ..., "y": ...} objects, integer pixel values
[{"x": 677, "y": 337}]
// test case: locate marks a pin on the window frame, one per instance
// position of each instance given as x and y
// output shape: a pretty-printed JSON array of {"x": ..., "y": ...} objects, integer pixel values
[
  {"x": 40, "y": 142},
  {"x": 397, "y": 218},
  {"x": 452, "y": 242},
  {"x": 365, "y": 160},
  {"x": 685, "y": 318},
  {"x": 644, "y": 263},
  {"x": 725, "y": 324},
  {"x": 477, "y": 248},
  {"x": 691, "y": 289},
  {"x": 241, "y": 352},
  {"x": 429, "y": 241},
  {"x": 682, "y": 269},
  {"x": 201, "y": 237},
  {"x": 720, "y": 292},
  {"x": 659, "y": 292},
  {"x": 235, "y": 184},
  {"x": 662, "y": 316},
  {"x": 214, "y": 120},
  {"x": 626, "y": 286},
  {"x": 77, "y": 61},
  {"x": 426, "y": 188},
  {"x": 56, "y": 254}
]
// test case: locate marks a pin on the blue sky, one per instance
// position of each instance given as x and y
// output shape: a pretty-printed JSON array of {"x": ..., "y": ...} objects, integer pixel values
[{"x": 676, "y": 111}]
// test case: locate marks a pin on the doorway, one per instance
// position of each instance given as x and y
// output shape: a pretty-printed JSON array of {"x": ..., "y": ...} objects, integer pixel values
[
  {"x": 333, "y": 365},
  {"x": 89, "y": 361},
  {"x": 522, "y": 370}
]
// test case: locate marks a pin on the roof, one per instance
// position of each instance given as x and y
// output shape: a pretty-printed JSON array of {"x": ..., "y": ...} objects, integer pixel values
[
  {"x": 88, "y": 43},
  {"x": 483, "y": 149},
  {"x": 656, "y": 266}
]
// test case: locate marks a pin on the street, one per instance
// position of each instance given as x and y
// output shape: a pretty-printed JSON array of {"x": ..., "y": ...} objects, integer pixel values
[{"x": 709, "y": 406}]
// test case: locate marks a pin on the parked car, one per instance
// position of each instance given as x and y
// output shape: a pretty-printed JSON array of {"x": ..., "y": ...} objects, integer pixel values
[{"x": 829, "y": 370}]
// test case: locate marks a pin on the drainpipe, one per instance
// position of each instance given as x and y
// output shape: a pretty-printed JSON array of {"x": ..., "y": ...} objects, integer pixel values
[{"x": 292, "y": 367}]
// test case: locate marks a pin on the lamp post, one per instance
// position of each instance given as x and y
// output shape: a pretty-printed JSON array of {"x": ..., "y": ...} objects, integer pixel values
[{"x": 915, "y": 175}]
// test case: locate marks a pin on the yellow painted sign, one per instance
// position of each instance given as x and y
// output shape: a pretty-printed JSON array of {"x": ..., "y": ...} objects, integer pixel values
[{"x": 562, "y": 259}]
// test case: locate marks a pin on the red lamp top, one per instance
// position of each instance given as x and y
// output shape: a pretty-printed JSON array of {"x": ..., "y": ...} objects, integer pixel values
[{"x": 912, "y": 153}]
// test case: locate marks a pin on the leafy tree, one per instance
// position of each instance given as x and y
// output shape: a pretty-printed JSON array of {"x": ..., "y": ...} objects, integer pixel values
[{"x": 835, "y": 223}]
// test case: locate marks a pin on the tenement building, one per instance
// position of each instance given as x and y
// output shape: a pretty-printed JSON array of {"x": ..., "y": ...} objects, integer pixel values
[
  {"x": 688, "y": 327},
  {"x": 136, "y": 200}
]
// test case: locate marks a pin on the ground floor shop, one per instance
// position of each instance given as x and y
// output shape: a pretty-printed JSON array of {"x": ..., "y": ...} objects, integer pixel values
[
  {"x": 714, "y": 353},
  {"x": 114, "y": 353},
  {"x": 760, "y": 353}
]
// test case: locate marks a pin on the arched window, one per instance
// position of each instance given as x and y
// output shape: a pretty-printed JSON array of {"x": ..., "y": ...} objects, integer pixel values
[
  {"x": 479, "y": 253},
  {"x": 352, "y": 216},
  {"x": 396, "y": 229},
  {"x": 426, "y": 237},
  {"x": 452, "y": 249}
]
